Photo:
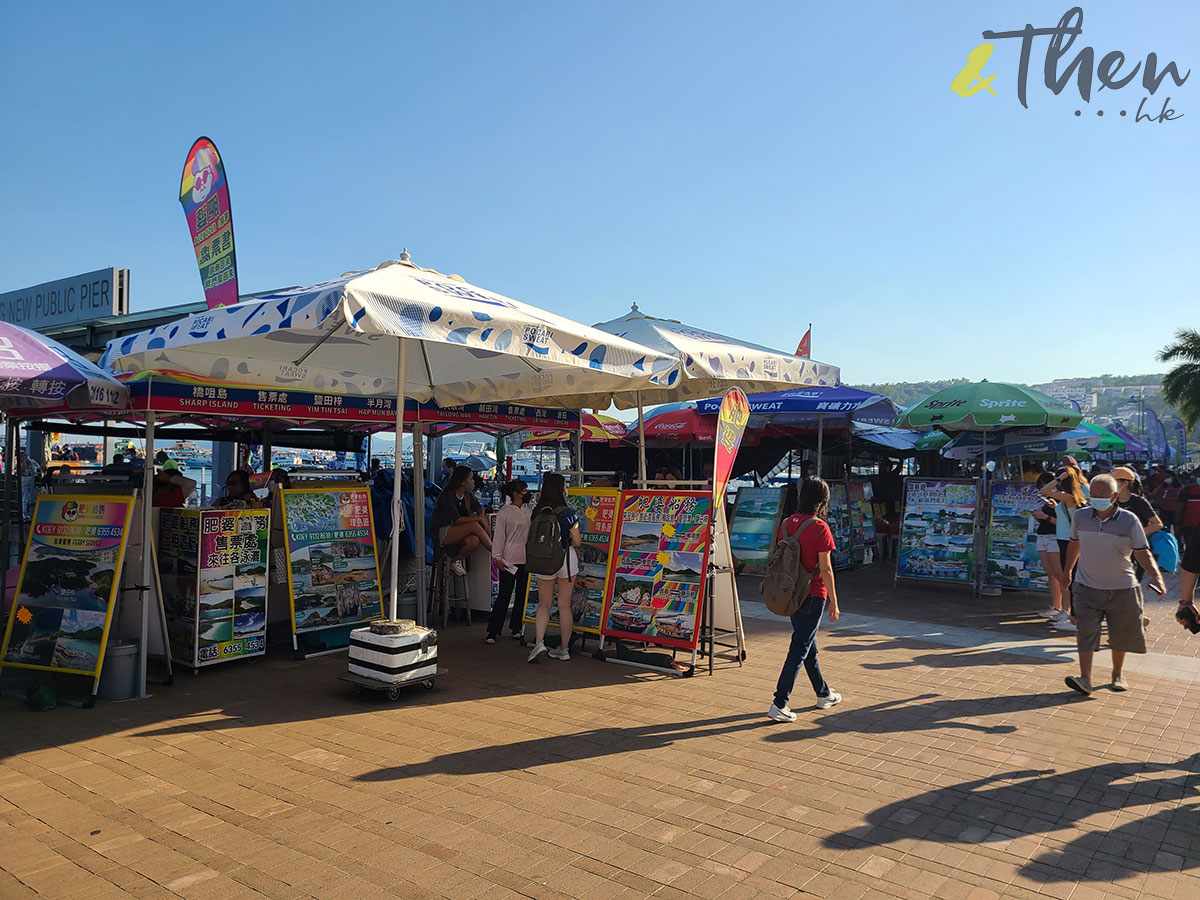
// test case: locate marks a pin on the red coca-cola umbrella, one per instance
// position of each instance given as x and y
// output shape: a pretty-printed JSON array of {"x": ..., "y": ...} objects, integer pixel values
[{"x": 684, "y": 425}]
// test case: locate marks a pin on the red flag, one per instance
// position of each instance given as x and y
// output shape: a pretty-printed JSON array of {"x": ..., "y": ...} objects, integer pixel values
[{"x": 804, "y": 347}]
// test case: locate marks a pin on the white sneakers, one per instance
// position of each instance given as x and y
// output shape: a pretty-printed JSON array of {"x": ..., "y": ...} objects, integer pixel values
[
  {"x": 1050, "y": 613},
  {"x": 557, "y": 653},
  {"x": 538, "y": 649},
  {"x": 783, "y": 714},
  {"x": 833, "y": 699},
  {"x": 458, "y": 567}
]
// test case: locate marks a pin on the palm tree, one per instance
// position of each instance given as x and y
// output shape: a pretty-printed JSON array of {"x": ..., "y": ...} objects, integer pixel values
[{"x": 1181, "y": 386}]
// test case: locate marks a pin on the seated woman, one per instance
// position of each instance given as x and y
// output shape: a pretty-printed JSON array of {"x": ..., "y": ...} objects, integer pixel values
[
  {"x": 459, "y": 524},
  {"x": 237, "y": 493}
]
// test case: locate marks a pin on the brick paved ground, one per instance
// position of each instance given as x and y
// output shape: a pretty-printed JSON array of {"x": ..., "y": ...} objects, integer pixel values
[{"x": 949, "y": 771}]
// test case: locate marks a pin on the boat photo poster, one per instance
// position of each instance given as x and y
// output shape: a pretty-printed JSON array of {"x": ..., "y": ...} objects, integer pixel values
[
  {"x": 68, "y": 584},
  {"x": 597, "y": 512},
  {"x": 658, "y": 571},
  {"x": 233, "y": 584},
  {"x": 755, "y": 525},
  {"x": 937, "y": 533},
  {"x": 1012, "y": 556},
  {"x": 333, "y": 575}
]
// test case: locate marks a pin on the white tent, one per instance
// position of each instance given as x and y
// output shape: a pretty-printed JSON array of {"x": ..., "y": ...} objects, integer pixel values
[
  {"x": 710, "y": 363},
  {"x": 395, "y": 330}
]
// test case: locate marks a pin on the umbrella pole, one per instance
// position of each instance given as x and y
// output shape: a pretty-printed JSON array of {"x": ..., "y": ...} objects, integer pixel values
[
  {"x": 641, "y": 442},
  {"x": 577, "y": 440},
  {"x": 419, "y": 516},
  {"x": 147, "y": 552},
  {"x": 9, "y": 461},
  {"x": 820, "y": 440},
  {"x": 397, "y": 470}
]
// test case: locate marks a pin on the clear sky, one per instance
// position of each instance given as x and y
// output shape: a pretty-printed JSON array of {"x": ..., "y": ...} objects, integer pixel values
[{"x": 745, "y": 167}]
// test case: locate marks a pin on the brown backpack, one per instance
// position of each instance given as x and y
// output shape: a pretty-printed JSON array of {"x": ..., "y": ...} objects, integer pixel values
[{"x": 786, "y": 583}]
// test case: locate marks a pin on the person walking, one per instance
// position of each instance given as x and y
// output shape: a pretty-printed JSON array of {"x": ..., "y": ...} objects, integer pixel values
[
  {"x": 553, "y": 500},
  {"x": 1104, "y": 537},
  {"x": 816, "y": 548},
  {"x": 1048, "y": 551},
  {"x": 508, "y": 551},
  {"x": 1067, "y": 490}
]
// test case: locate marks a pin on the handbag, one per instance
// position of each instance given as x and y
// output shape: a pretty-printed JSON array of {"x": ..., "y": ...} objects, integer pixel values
[{"x": 1165, "y": 549}]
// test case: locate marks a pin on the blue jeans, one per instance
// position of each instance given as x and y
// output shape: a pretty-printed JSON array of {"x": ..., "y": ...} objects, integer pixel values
[{"x": 803, "y": 651}]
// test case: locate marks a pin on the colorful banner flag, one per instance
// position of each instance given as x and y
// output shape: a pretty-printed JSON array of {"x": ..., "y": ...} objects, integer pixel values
[
  {"x": 204, "y": 194},
  {"x": 731, "y": 425},
  {"x": 804, "y": 348},
  {"x": 1156, "y": 437},
  {"x": 1181, "y": 440}
]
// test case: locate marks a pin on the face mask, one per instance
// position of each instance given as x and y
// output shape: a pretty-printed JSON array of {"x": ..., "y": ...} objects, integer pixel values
[{"x": 1101, "y": 503}]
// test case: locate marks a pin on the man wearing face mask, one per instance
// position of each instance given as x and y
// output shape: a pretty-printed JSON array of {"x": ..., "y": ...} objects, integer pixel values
[{"x": 1104, "y": 585}]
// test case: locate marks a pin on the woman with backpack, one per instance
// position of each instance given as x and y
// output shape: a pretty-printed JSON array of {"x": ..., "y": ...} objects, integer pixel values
[
  {"x": 550, "y": 554},
  {"x": 816, "y": 547},
  {"x": 508, "y": 551}
]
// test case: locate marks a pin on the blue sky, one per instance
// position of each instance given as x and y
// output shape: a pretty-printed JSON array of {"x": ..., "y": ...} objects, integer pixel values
[{"x": 744, "y": 167}]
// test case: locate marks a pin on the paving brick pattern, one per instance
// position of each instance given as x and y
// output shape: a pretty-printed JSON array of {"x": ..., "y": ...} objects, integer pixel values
[{"x": 943, "y": 774}]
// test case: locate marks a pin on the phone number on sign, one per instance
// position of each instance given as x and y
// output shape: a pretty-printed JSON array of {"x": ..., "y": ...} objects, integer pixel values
[{"x": 235, "y": 648}]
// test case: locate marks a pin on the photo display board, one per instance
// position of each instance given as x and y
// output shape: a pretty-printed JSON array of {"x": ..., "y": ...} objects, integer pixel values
[
  {"x": 1012, "y": 557},
  {"x": 755, "y": 525},
  {"x": 659, "y": 569},
  {"x": 333, "y": 574},
  {"x": 67, "y": 589},
  {"x": 937, "y": 533},
  {"x": 838, "y": 520},
  {"x": 212, "y": 564},
  {"x": 597, "y": 511},
  {"x": 862, "y": 514}
]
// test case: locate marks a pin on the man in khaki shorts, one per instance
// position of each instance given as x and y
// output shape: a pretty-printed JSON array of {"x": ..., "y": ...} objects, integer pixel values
[{"x": 1104, "y": 537}]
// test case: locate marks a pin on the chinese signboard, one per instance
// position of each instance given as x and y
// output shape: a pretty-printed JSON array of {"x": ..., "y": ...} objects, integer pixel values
[
  {"x": 937, "y": 534},
  {"x": 1012, "y": 556},
  {"x": 204, "y": 194},
  {"x": 333, "y": 576},
  {"x": 597, "y": 511},
  {"x": 68, "y": 584},
  {"x": 212, "y": 564},
  {"x": 659, "y": 570}
]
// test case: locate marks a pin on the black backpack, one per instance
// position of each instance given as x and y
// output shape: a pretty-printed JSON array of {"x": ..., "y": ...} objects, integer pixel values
[{"x": 544, "y": 551}]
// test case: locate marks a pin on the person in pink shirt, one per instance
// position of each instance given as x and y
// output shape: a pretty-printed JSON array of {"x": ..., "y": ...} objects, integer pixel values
[{"x": 508, "y": 551}]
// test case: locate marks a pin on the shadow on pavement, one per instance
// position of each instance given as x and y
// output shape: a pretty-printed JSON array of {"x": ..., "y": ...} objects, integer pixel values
[
  {"x": 1018, "y": 804},
  {"x": 543, "y": 751},
  {"x": 925, "y": 712},
  {"x": 943, "y": 659}
]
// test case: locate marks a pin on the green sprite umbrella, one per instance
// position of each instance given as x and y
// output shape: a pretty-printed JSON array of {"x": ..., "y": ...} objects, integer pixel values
[
  {"x": 931, "y": 440},
  {"x": 988, "y": 406},
  {"x": 1109, "y": 442}
]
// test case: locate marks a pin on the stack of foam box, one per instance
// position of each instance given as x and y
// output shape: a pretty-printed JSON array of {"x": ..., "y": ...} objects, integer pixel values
[{"x": 394, "y": 652}]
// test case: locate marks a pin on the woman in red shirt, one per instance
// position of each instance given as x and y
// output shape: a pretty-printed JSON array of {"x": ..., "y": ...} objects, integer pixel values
[{"x": 816, "y": 545}]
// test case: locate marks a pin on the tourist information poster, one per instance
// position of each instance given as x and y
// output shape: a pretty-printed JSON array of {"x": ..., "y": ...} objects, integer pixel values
[
  {"x": 68, "y": 584},
  {"x": 937, "y": 534},
  {"x": 659, "y": 570},
  {"x": 838, "y": 520},
  {"x": 213, "y": 567},
  {"x": 1012, "y": 557},
  {"x": 755, "y": 525},
  {"x": 333, "y": 575},
  {"x": 597, "y": 511},
  {"x": 862, "y": 515}
]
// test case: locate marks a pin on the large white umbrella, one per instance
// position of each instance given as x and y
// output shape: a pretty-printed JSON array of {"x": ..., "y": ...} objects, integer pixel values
[
  {"x": 397, "y": 330},
  {"x": 710, "y": 363}
]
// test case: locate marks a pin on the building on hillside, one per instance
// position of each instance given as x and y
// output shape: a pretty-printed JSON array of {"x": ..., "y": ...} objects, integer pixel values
[{"x": 1064, "y": 389}]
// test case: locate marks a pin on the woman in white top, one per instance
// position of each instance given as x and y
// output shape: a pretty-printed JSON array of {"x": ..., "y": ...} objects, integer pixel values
[{"x": 508, "y": 550}]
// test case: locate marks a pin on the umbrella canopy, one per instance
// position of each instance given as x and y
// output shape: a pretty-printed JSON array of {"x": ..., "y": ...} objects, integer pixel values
[
  {"x": 886, "y": 436},
  {"x": 988, "y": 406},
  {"x": 1026, "y": 442},
  {"x": 468, "y": 344},
  {"x": 804, "y": 406},
  {"x": 1109, "y": 442},
  {"x": 712, "y": 363},
  {"x": 480, "y": 462},
  {"x": 38, "y": 373},
  {"x": 593, "y": 427},
  {"x": 1134, "y": 449},
  {"x": 931, "y": 440}
]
